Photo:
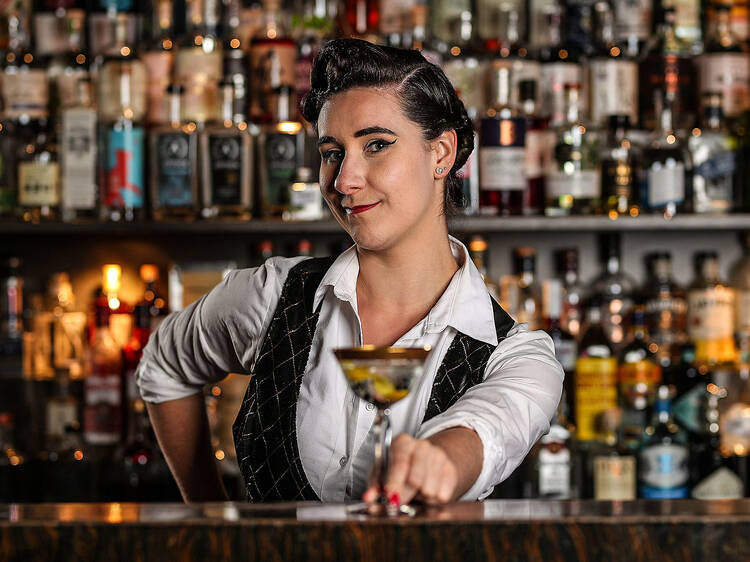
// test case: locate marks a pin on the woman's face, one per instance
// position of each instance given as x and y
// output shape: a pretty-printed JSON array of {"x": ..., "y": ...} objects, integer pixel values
[{"x": 377, "y": 172}]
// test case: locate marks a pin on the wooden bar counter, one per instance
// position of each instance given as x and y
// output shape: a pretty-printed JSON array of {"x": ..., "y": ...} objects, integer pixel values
[{"x": 502, "y": 530}]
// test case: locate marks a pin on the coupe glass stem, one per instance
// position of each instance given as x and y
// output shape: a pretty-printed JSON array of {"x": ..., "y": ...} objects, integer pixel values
[{"x": 382, "y": 447}]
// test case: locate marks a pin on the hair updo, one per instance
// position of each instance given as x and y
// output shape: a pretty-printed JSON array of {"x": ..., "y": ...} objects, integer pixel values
[{"x": 426, "y": 95}]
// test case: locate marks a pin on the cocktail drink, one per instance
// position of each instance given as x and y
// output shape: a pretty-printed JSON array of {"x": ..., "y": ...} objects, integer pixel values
[{"x": 382, "y": 376}]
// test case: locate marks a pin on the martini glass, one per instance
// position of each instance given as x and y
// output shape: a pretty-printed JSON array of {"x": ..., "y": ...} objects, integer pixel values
[{"x": 382, "y": 376}]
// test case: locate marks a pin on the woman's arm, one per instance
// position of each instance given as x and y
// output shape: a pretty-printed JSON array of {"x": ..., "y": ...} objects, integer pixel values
[{"x": 181, "y": 427}]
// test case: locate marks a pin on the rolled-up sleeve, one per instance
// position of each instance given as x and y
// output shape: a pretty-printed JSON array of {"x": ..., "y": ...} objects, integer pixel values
[
  {"x": 216, "y": 335},
  {"x": 511, "y": 409}
]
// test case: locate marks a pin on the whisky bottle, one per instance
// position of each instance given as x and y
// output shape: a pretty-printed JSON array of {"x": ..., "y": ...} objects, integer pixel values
[
  {"x": 502, "y": 152},
  {"x": 174, "y": 164},
  {"x": 122, "y": 184},
  {"x": 566, "y": 264},
  {"x": 25, "y": 88},
  {"x": 619, "y": 170},
  {"x": 226, "y": 151},
  {"x": 539, "y": 141},
  {"x": 78, "y": 155},
  {"x": 38, "y": 175},
  {"x": 519, "y": 293},
  {"x": 711, "y": 313},
  {"x": 158, "y": 60},
  {"x": 478, "y": 250}
]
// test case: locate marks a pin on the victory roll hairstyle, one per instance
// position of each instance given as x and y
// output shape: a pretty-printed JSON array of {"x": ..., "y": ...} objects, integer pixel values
[{"x": 426, "y": 95}]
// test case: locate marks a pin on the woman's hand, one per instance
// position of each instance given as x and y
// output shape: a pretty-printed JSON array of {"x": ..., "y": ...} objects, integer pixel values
[{"x": 429, "y": 470}]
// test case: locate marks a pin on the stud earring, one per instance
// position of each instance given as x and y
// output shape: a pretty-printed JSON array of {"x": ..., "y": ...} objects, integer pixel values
[{"x": 440, "y": 170}]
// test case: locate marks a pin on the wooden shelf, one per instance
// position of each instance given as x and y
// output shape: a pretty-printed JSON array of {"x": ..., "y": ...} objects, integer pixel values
[{"x": 462, "y": 224}]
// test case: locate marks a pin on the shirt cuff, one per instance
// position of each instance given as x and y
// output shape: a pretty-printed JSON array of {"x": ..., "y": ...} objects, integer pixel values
[
  {"x": 492, "y": 453},
  {"x": 156, "y": 386}
]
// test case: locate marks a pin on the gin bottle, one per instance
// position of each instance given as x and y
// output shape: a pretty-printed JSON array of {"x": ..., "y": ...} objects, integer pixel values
[
  {"x": 174, "y": 164},
  {"x": 38, "y": 175},
  {"x": 226, "y": 148}
]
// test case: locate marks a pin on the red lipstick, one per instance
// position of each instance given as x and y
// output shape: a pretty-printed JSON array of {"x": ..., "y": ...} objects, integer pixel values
[{"x": 362, "y": 208}]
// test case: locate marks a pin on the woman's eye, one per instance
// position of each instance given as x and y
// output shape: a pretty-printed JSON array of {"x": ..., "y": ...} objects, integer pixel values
[
  {"x": 331, "y": 156},
  {"x": 377, "y": 145}
]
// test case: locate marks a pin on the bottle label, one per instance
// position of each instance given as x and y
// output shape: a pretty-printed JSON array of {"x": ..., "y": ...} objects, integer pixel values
[
  {"x": 158, "y": 69},
  {"x": 539, "y": 144},
  {"x": 566, "y": 352},
  {"x": 552, "y": 80},
  {"x": 728, "y": 73},
  {"x": 38, "y": 184},
  {"x": 595, "y": 394},
  {"x": 734, "y": 427},
  {"x": 614, "y": 89},
  {"x": 664, "y": 471},
  {"x": 25, "y": 93},
  {"x": 687, "y": 408},
  {"x": 614, "y": 478},
  {"x": 666, "y": 183},
  {"x": 226, "y": 170},
  {"x": 713, "y": 181},
  {"x": 580, "y": 183},
  {"x": 633, "y": 19},
  {"x": 125, "y": 186},
  {"x": 108, "y": 90},
  {"x": 272, "y": 64},
  {"x": 554, "y": 473},
  {"x": 305, "y": 201},
  {"x": 58, "y": 34},
  {"x": 78, "y": 155},
  {"x": 721, "y": 484},
  {"x": 617, "y": 178},
  {"x": 281, "y": 167},
  {"x": 711, "y": 314},
  {"x": 66, "y": 84},
  {"x": 175, "y": 169},
  {"x": 104, "y": 37},
  {"x": 199, "y": 72},
  {"x": 502, "y": 168},
  {"x": 59, "y": 415},
  {"x": 101, "y": 416},
  {"x": 634, "y": 373},
  {"x": 667, "y": 316},
  {"x": 743, "y": 311}
]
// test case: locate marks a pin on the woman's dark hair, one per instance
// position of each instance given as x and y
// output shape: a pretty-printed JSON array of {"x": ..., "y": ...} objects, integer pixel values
[{"x": 426, "y": 95}]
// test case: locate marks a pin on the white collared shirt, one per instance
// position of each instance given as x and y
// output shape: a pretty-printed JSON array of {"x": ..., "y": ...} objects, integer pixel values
[{"x": 222, "y": 333}]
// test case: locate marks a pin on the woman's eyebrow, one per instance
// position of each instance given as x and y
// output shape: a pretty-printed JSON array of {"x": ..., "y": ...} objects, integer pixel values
[
  {"x": 326, "y": 140},
  {"x": 373, "y": 130}
]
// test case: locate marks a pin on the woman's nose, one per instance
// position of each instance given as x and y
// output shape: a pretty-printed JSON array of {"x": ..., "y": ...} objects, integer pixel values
[{"x": 350, "y": 177}]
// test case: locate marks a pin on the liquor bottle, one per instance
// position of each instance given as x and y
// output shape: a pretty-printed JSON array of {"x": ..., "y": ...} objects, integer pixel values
[
  {"x": 58, "y": 27},
  {"x": 666, "y": 66},
  {"x": 123, "y": 182},
  {"x": 666, "y": 309},
  {"x": 734, "y": 417},
  {"x": 419, "y": 35},
  {"x": 492, "y": 18},
  {"x": 578, "y": 30},
  {"x": 131, "y": 355},
  {"x": 478, "y": 250},
  {"x": 559, "y": 66},
  {"x": 272, "y": 59},
  {"x": 573, "y": 179},
  {"x": 566, "y": 263},
  {"x": 158, "y": 60},
  {"x": 305, "y": 199},
  {"x": 739, "y": 279},
  {"x": 9, "y": 453},
  {"x": 614, "y": 468},
  {"x": 711, "y": 313},
  {"x": 713, "y": 157},
  {"x": 639, "y": 375},
  {"x": 663, "y": 458},
  {"x": 616, "y": 289},
  {"x": 138, "y": 452},
  {"x": 226, "y": 151},
  {"x": 78, "y": 155},
  {"x": 666, "y": 165},
  {"x": 712, "y": 476},
  {"x": 566, "y": 348},
  {"x": 112, "y": 25},
  {"x": 152, "y": 300},
  {"x": 541, "y": 13},
  {"x": 633, "y": 24},
  {"x": 595, "y": 387},
  {"x": 25, "y": 89},
  {"x": 361, "y": 18},
  {"x": 8, "y": 152},
  {"x": 198, "y": 64},
  {"x": 519, "y": 293},
  {"x": 61, "y": 411},
  {"x": 539, "y": 141},
  {"x": 236, "y": 72},
  {"x": 317, "y": 24},
  {"x": 502, "y": 152},
  {"x": 38, "y": 175},
  {"x": 738, "y": 23},
  {"x": 613, "y": 74},
  {"x": 687, "y": 23},
  {"x": 174, "y": 164},
  {"x": 102, "y": 421},
  {"x": 725, "y": 66},
  {"x": 553, "y": 471},
  {"x": 451, "y": 23},
  {"x": 690, "y": 383},
  {"x": 619, "y": 170},
  {"x": 11, "y": 307}
]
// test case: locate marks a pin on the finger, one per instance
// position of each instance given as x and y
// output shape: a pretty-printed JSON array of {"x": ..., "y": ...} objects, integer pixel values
[
  {"x": 434, "y": 461},
  {"x": 421, "y": 466},
  {"x": 448, "y": 483},
  {"x": 399, "y": 467},
  {"x": 370, "y": 495}
]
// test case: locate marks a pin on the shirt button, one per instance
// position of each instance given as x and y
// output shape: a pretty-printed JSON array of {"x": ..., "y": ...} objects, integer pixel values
[
  {"x": 342, "y": 461},
  {"x": 370, "y": 407}
]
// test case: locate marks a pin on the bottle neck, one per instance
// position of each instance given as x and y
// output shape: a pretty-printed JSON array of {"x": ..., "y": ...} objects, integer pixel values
[
  {"x": 613, "y": 265},
  {"x": 227, "y": 105},
  {"x": 573, "y": 108},
  {"x": 663, "y": 411},
  {"x": 724, "y": 35},
  {"x": 174, "y": 110}
]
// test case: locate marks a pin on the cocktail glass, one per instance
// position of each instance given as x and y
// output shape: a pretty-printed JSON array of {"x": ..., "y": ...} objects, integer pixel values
[{"x": 382, "y": 376}]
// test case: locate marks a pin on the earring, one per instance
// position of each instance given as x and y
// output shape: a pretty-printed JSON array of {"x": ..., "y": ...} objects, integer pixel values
[{"x": 440, "y": 170}]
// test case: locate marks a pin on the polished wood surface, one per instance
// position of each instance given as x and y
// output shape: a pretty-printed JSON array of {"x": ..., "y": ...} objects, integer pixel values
[{"x": 492, "y": 530}]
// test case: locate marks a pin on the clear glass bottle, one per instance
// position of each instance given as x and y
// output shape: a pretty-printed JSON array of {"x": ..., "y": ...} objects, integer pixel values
[
  {"x": 663, "y": 471},
  {"x": 38, "y": 175},
  {"x": 711, "y": 313},
  {"x": 573, "y": 179},
  {"x": 554, "y": 465},
  {"x": 613, "y": 74},
  {"x": 226, "y": 151},
  {"x": 724, "y": 67},
  {"x": 123, "y": 183},
  {"x": 566, "y": 263},
  {"x": 539, "y": 140},
  {"x": 519, "y": 293},
  {"x": 615, "y": 288},
  {"x": 739, "y": 280},
  {"x": 666, "y": 165},
  {"x": 502, "y": 151},
  {"x": 174, "y": 164},
  {"x": 619, "y": 170},
  {"x": 666, "y": 308},
  {"x": 713, "y": 158},
  {"x": 639, "y": 375},
  {"x": 478, "y": 250},
  {"x": 305, "y": 199},
  {"x": 633, "y": 24},
  {"x": 158, "y": 60},
  {"x": 566, "y": 347},
  {"x": 78, "y": 155},
  {"x": 61, "y": 411}
]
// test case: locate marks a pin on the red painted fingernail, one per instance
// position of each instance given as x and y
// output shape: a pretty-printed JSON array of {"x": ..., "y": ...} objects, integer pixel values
[{"x": 394, "y": 500}]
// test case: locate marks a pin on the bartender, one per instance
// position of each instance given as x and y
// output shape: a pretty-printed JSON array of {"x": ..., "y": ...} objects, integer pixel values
[{"x": 392, "y": 137}]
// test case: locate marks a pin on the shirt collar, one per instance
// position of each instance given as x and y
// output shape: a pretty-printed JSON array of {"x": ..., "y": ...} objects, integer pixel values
[{"x": 465, "y": 304}]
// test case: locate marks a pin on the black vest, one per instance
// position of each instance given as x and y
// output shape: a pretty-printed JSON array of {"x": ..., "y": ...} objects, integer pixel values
[{"x": 265, "y": 431}]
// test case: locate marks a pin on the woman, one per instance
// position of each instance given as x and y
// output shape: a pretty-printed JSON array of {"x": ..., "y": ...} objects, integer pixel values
[{"x": 392, "y": 136}]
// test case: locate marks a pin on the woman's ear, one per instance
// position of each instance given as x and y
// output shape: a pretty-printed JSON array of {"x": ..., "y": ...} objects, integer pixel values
[{"x": 445, "y": 147}]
